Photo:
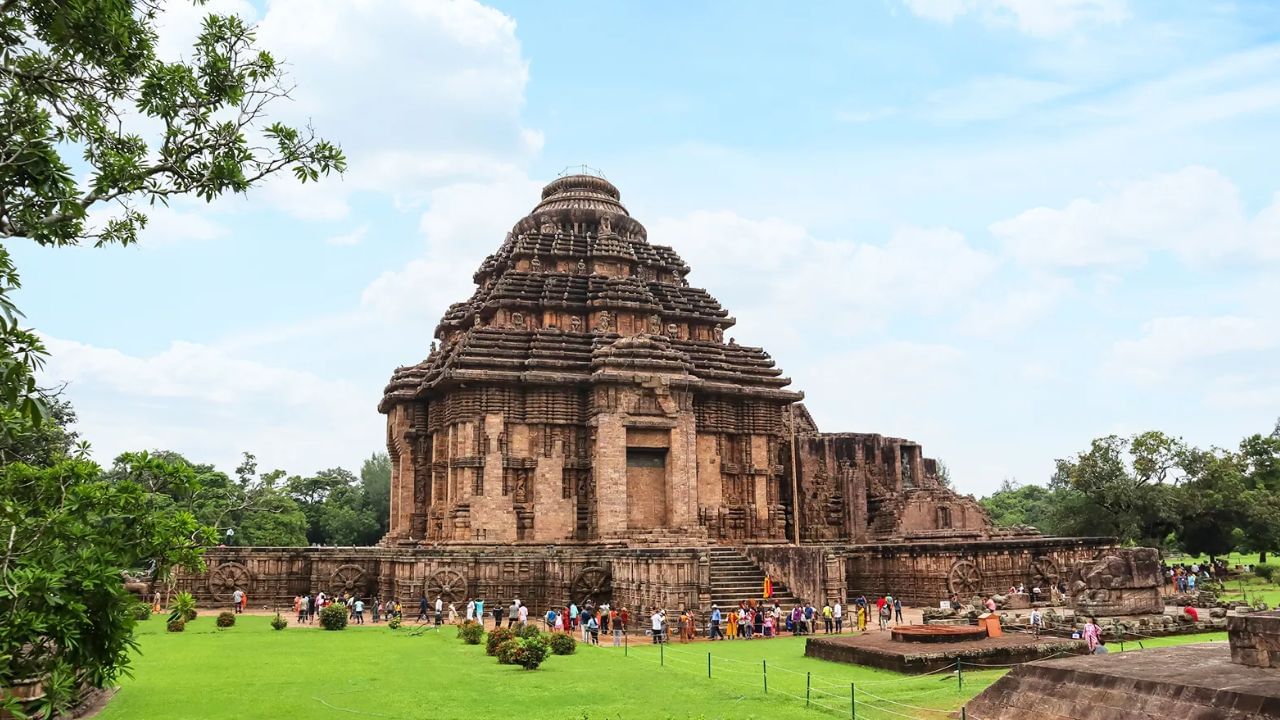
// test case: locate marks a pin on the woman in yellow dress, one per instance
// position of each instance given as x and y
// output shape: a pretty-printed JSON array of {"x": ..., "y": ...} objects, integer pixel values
[{"x": 731, "y": 629}]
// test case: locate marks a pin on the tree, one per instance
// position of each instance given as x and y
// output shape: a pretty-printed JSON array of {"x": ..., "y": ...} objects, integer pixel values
[
  {"x": 45, "y": 443},
  {"x": 1260, "y": 501},
  {"x": 1210, "y": 507},
  {"x": 68, "y": 536},
  {"x": 1015, "y": 504},
  {"x": 375, "y": 478},
  {"x": 1121, "y": 487},
  {"x": 80, "y": 87}
]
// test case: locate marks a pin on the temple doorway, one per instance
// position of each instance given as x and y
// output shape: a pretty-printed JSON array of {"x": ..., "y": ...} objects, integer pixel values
[{"x": 646, "y": 488}]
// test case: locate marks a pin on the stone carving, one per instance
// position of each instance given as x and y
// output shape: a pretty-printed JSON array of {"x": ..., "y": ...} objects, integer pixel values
[
  {"x": 548, "y": 226},
  {"x": 673, "y": 331},
  {"x": 1044, "y": 573},
  {"x": 655, "y": 325},
  {"x": 347, "y": 577},
  {"x": 1121, "y": 582},
  {"x": 575, "y": 324},
  {"x": 604, "y": 323},
  {"x": 450, "y": 585},
  {"x": 964, "y": 579},
  {"x": 718, "y": 333},
  {"x": 535, "y": 265},
  {"x": 592, "y": 583},
  {"x": 517, "y": 319},
  {"x": 606, "y": 224},
  {"x": 582, "y": 266},
  {"x": 226, "y": 578}
]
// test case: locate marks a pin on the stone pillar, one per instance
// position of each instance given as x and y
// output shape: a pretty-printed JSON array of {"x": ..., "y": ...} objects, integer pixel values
[
  {"x": 682, "y": 473},
  {"x": 609, "y": 463},
  {"x": 1255, "y": 639}
]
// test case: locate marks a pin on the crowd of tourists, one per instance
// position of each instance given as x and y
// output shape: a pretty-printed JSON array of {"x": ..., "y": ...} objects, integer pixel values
[{"x": 1185, "y": 577}]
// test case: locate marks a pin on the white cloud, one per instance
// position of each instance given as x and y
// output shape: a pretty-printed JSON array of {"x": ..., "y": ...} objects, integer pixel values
[
  {"x": 463, "y": 223},
  {"x": 355, "y": 237},
  {"x": 210, "y": 404},
  {"x": 1195, "y": 213},
  {"x": 1034, "y": 17},
  {"x": 1171, "y": 345},
  {"x": 992, "y": 98},
  {"x": 419, "y": 93},
  {"x": 769, "y": 271},
  {"x": 1016, "y": 310}
]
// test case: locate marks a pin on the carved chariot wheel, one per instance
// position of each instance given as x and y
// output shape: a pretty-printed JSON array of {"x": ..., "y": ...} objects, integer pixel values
[
  {"x": 592, "y": 582},
  {"x": 964, "y": 579},
  {"x": 450, "y": 585},
  {"x": 1044, "y": 572},
  {"x": 224, "y": 579},
  {"x": 347, "y": 577}
]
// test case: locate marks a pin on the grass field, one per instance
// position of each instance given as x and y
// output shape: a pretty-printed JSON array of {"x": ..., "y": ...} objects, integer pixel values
[{"x": 252, "y": 671}]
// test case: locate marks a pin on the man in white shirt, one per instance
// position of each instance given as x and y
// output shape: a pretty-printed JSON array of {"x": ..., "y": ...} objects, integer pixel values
[
  {"x": 837, "y": 611},
  {"x": 524, "y": 614},
  {"x": 439, "y": 611},
  {"x": 471, "y": 609},
  {"x": 359, "y": 610},
  {"x": 1037, "y": 621},
  {"x": 236, "y": 598},
  {"x": 655, "y": 621}
]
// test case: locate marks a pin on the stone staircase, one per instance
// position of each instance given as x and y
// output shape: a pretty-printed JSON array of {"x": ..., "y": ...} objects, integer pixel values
[{"x": 736, "y": 577}]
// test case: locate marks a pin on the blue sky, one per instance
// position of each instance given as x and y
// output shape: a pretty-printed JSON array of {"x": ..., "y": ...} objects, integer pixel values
[{"x": 998, "y": 227}]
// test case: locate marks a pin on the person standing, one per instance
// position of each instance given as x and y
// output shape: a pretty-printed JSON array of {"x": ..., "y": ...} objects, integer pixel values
[
  {"x": 837, "y": 612},
  {"x": 376, "y": 610},
  {"x": 513, "y": 612},
  {"x": 471, "y": 609},
  {"x": 655, "y": 623},
  {"x": 593, "y": 627},
  {"x": 358, "y": 608},
  {"x": 523, "y": 615},
  {"x": 302, "y": 609},
  {"x": 827, "y": 618},
  {"x": 422, "y": 606},
  {"x": 453, "y": 614},
  {"x": 897, "y": 611},
  {"x": 237, "y": 596},
  {"x": 715, "y": 623},
  {"x": 480, "y": 611},
  {"x": 1037, "y": 622},
  {"x": 439, "y": 611},
  {"x": 1091, "y": 634}
]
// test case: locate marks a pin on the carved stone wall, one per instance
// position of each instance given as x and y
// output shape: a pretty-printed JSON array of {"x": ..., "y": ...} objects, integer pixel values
[
  {"x": 812, "y": 574},
  {"x": 1119, "y": 582},
  {"x": 1255, "y": 640},
  {"x": 924, "y": 573}
]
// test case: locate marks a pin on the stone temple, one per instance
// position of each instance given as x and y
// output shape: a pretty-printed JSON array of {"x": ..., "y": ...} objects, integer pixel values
[{"x": 584, "y": 425}]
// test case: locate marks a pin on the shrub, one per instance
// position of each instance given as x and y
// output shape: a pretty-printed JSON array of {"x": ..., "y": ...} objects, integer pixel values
[
  {"x": 226, "y": 619},
  {"x": 563, "y": 644},
  {"x": 279, "y": 623},
  {"x": 183, "y": 607},
  {"x": 334, "y": 617},
  {"x": 528, "y": 631},
  {"x": 471, "y": 632},
  {"x": 141, "y": 611},
  {"x": 530, "y": 652},
  {"x": 394, "y": 623},
  {"x": 497, "y": 636},
  {"x": 506, "y": 651},
  {"x": 177, "y": 625},
  {"x": 1267, "y": 571}
]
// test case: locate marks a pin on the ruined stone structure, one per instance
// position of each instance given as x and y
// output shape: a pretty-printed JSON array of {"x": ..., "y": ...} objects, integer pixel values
[
  {"x": 583, "y": 415},
  {"x": 1189, "y": 682}
]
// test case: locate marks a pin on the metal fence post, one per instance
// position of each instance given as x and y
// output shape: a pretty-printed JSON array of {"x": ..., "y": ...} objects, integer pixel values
[
  {"x": 853, "y": 701},
  {"x": 708, "y": 666},
  {"x": 808, "y": 683},
  {"x": 960, "y": 674},
  {"x": 764, "y": 673}
]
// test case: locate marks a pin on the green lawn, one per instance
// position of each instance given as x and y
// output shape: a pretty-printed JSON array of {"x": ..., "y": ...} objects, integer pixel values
[{"x": 252, "y": 671}]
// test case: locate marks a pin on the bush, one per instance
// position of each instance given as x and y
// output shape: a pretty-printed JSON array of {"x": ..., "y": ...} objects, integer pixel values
[
  {"x": 563, "y": 644},
  {"x": 141, "y": 611},
  {"x": 334, "y": 617},
  {"x": 530, "y": 652},
  {"x": 506, "y": 651},
  {"x": 177, "y": 625},
  {"x": 394, "y": 623},
  {"x": 279, "y": 623},
  {"x": 497, "y": 636},
  {"x": 226, "y": 619},
  {"x": 529, "y": 630},
  {"x": 1267, "y": 571},
  {"x": 471, "y": 632},
  {"x": 183, "y": 607}
]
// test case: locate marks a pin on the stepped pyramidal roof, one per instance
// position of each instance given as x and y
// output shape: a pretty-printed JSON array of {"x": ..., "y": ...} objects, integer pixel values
[{"x": 577, "y": 289}]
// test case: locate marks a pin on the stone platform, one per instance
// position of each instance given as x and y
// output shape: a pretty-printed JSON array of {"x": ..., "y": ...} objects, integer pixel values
[
  {"x": 877, "y": 649},
  {"x": 1180, "y": 683}
]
